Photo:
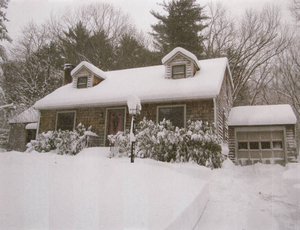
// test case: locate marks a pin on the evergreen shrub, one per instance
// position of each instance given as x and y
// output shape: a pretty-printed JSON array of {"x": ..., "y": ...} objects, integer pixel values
[
  {"x": 63, "y": 142},
  {"x": 198, "y": 142}
]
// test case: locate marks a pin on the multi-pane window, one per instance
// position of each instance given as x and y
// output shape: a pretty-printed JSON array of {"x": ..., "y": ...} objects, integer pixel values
[
  {"x": 175, "y": 114},
  {"x": 264, "y": 145},
  {"x": 178, "y": 71},
  {"x": 82, "y": 82},
  {"x": 65, "y": 120}
]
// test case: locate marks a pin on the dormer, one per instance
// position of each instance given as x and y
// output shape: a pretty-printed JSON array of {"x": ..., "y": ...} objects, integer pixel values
[
  {"x": 180, "y": 63},
  {"x": 86, "y": 75}
]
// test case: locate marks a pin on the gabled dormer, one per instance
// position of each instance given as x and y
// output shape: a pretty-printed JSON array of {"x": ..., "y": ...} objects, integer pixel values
[
  {"x": 180, "y": 63},
  {"x": 86, "y": 75}
]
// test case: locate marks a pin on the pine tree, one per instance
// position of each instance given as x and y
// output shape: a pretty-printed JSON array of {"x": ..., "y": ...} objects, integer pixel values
[
  {"x": 131, "y": 53},
  {"x": 181, "y": 26}
]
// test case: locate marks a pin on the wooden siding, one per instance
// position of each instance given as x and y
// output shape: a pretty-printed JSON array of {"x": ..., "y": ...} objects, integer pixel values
[
  {"x": 84, "y": 73},
  {"x": 96, "y": 116},
  {"x": 179, "y": 60},
  {"x": 231, "y": 143},
  {"x": 224, "y": 103},
  {"x": 291, "y": 143}
]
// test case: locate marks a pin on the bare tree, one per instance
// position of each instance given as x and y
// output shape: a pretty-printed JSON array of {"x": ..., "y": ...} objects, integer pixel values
[
  {"x": 220, "y": 33},
  {"x": 249, "y": 43},
  {"x": 288, "y": 73},
  {"x": 295, "y": 9},
  {"x": 34, "y": 69},
  {"x": 95, "y": 17}
]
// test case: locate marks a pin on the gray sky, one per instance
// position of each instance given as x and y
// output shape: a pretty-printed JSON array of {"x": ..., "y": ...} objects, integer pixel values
[{"x": 20, "y": 12}]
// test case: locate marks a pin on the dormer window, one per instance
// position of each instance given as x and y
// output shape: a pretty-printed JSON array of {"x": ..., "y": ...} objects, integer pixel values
[
  {"x": 86, "y": 75},
  {"x": 178, "y": 71},
  {"x": 82, "y": 82},
  {"x": 180, "y": 63}
]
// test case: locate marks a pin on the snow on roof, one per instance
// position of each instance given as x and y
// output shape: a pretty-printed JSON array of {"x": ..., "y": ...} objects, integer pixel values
[
  {"x": 147, "y": 83},
  {"x": 31, "y": 126},
  {"x": 262, "y": 115},
  {"x": 28, "y": 116},
  {"x": 181, "y": 50},
  {"x": 91, "y": 67}
]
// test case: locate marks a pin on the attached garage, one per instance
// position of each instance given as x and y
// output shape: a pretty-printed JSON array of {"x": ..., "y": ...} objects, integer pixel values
[
  {"x": 264, "y": 134},
  {"x": 22, "y": 129}
]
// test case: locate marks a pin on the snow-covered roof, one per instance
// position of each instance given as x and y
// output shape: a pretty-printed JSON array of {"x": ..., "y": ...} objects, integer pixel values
[
  {"x": 262, "y": 115},
  {"x": 28, "y": 116},
  {"x": 31, "y": 126},
  {"x": 91, "y": 67},
  {"x": 180, "y": 50},
  {"x": 147, "y": 83}
]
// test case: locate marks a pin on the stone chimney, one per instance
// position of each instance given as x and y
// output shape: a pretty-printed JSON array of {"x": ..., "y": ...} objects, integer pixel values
[{"x": 67, "y": 73}]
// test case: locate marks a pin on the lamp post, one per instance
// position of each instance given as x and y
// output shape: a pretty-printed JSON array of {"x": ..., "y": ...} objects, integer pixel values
[{"x": 134, "y": 107}]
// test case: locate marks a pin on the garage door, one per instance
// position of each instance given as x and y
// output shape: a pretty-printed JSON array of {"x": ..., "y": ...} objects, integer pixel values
[{"x": 266, "y": 147}]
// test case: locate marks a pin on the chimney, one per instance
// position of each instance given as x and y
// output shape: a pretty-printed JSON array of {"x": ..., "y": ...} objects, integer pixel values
[{"x": 67, "y": 73}]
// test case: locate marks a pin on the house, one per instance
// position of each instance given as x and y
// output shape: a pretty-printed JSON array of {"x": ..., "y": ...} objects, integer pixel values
[
  {"x": 264, "y": 134},
  {"x": 181, "y": 89},
  {"x": 22, "y": 129}
]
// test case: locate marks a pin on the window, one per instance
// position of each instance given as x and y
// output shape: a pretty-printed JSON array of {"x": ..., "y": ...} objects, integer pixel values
[
  {"x": 254, "y": 145},
  {"x": 265, "y": 145},
  {"x": 277, "y": 144},
  {"x": 82, "y": 82},
  {"x": 176, "y": 114},
  {"x": 178, "y": 71},
  {"x": 243, "y": 145},
  {"x": 65, "y": 120}
]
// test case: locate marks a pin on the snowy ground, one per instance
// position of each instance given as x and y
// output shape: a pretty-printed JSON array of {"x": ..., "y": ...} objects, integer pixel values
[{"x": 91, "y": 191}]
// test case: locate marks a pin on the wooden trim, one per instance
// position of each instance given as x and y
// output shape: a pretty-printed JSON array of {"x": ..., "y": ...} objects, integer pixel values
[
  {"x": 66, "y": 111},
  {"x": 179, "y": 65},
  {"x": 285, "y": 146},
  {"x": 107, "y": 117},
  {"x": 38, "y": 124},
  {"x": 215, "y": 114}
]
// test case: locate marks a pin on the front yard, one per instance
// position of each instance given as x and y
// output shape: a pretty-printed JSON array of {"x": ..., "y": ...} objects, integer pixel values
[{"x": 91, "y": 191}]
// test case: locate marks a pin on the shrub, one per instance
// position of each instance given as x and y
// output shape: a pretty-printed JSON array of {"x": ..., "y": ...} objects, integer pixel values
[
  {"x": 64, "y": 142},
  {"x": 163, "y": 142}
]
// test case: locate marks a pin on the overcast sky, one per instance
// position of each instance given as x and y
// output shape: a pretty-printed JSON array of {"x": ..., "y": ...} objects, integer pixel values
[{"x": 20, "y": 12}]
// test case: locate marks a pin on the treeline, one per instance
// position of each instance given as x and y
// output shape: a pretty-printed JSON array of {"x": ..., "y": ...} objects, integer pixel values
[{"x": 263, "y": 52}]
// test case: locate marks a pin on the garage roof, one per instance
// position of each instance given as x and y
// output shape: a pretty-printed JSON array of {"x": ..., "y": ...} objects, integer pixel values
[{"x": 262, "y": 115}]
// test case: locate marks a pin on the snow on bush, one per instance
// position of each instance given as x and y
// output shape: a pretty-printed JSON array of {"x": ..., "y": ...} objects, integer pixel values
[
  {"x": 64, "y": 142},
  {"x": 198, "y": 142}
]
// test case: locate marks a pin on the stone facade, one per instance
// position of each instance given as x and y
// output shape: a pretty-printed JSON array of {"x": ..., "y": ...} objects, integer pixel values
[{"x": 97, "y": 116}]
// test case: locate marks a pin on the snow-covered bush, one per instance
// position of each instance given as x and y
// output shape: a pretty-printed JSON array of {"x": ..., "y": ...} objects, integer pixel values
[
  {"x": 121, "y": 141},
  {"x": 197, "y": 142},
  {"x": 64, "y": 142}
]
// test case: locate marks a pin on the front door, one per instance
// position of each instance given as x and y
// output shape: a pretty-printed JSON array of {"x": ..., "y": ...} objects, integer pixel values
[{"x": 115, "y": 121}]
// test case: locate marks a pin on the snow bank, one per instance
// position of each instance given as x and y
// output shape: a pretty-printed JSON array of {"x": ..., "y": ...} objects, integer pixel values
[
  {"x": 91, "y": 191},
  {"x": 255, "y": 197},
  {"x": 262, "y": 115}
]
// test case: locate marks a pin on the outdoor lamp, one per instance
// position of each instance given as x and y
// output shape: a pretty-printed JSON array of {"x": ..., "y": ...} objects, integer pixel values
[
  {"x": 134, "y": 108},
  {"x": 134, "y": 105}
]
